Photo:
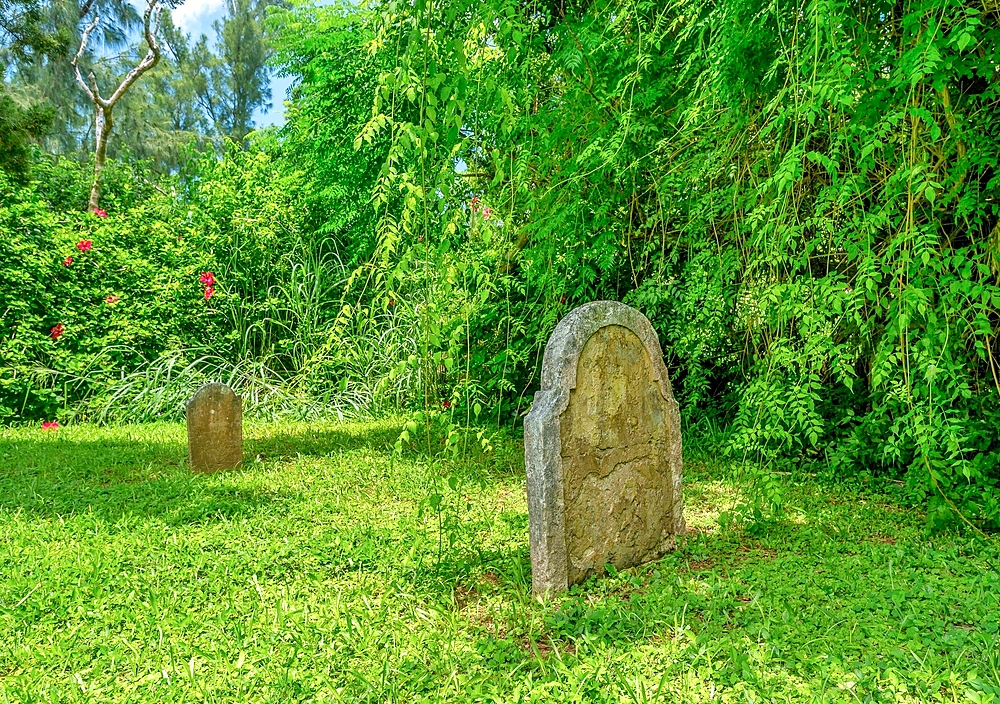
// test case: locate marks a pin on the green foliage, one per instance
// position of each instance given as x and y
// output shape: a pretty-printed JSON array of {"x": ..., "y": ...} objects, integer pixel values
[
  {"x": 20, "y": 127},
  {"x": 324, "y": 48},
  {"x": 22, "y": 123},
  {"x": 138, "y": 331},
  {"x": 802, "y": 198}
]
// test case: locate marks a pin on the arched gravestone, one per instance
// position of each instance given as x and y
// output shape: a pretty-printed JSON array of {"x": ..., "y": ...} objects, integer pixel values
[
  {"x": 215, "y": 429},
  {"x": 602, "y": 447}
]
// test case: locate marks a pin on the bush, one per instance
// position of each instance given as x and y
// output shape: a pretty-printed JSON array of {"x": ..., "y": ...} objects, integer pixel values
[{"x": 87, "y": 300}]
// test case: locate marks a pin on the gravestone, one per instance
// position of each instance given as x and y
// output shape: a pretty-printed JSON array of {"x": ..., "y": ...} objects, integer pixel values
[
  {"x": 602, "y": 447},
  {"x": 215, "y": 429}
]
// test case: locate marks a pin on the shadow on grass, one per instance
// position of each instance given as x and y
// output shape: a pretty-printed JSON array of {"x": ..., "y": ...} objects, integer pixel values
[
  {"x": 146, "y": 472},
  {"x": 274, "y": 443},
  {"x": 114, "y": 478},
  {"x": 503, "y": 459}
]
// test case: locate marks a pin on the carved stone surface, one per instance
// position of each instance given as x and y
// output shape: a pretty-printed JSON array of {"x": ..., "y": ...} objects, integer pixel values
[
  {"x": 215, "y": 429},
  {"x": 602, "y": 449}
]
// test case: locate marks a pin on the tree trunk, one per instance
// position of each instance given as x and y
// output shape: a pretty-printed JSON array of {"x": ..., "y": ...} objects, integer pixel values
[{"x": 102, "y": 129}]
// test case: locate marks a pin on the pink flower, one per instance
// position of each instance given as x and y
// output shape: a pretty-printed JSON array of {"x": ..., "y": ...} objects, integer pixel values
[
  {"x": 67, "y": 261},
  {"x": 84, "y": 245},
  {"x": 207, "y": 278},
  {"x": 111, "y": 299},
  {"x": 51, "y": 425},
  {"x": 56, "y": 332},
  {"x": 487, "y": 212},
  {"x": 475, "y": 204},
  {"x": 208, "y": 292},
  {"x": 100, "y": 213}
]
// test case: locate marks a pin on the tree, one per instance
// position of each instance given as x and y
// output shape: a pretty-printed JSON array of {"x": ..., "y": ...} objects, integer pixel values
[
  {"x": 19, "y": 126},
  {"x": 232, "y": 81},
  {"x": 21, "y": 35},
  {"x": 245, "y": 52},
  {"x": 160, "y": 121},
  {"x": 21, "y": 29},
  {"x": 326, "y": 48},
  {"x": 103, "y": 107},
  {"x": 38, "y": 40}
]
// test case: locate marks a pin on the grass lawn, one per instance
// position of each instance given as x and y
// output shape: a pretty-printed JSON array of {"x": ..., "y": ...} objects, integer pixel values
[{"x": 320, "y": 573}]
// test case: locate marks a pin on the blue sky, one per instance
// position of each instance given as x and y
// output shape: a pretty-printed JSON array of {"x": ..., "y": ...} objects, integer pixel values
[{"x": 195, "y": 17}]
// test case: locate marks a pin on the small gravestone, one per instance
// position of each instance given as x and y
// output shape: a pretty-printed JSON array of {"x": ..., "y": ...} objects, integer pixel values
[
  {"x": 215, "y": 429},
  {"x": 602, "y": 447}
]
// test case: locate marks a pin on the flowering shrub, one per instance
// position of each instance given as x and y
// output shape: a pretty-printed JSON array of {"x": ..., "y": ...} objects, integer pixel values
[{"x": 64, "y": 336}]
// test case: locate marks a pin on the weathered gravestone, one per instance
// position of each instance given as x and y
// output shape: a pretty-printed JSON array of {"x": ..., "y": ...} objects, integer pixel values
[
  {"x": 602, "y": 446},
  {"x": 215, "y": 428}
]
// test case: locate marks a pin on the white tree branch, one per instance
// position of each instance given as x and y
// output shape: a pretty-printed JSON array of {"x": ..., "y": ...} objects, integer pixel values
[
  {"x": 92, "y": 94},
  {"x": 152, "y": 55}
]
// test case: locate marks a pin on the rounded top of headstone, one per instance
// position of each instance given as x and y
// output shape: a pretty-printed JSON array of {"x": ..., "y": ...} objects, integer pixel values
[
  {"x": 213, "y": 390},
  {"x": 571, "y": 334}
]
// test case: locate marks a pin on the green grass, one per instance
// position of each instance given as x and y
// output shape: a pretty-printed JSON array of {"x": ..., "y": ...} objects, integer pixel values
[{"x": 319, "y": 573}]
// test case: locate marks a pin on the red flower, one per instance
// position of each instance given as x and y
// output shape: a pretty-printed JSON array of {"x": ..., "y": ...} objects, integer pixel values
[
  {"x": 56, "y": 332},
  {"x": 208, "y": 292},
  {"x": 111, "y": 299},
  {"x": 475, "y": 204},
  {"x": 100, "y": 213},
  {"x": 446, "y": 403},
  {"x": 392, "y": 302},
  {"x": 487, "y": 212},
  {"x": 67, "y": 261},
  {"x": 51, "y": 425},
  {"x": 84, "y": 245},
  {"x": 207, "y": 278}
]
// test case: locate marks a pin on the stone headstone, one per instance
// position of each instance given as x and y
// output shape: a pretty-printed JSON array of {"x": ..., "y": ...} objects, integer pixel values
[
  {"x": 602, "y": 447},
  {"x": 215, "y": 429}
]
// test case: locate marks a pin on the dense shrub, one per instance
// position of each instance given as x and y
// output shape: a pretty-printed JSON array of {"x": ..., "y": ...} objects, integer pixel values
[
  {"x": 86, "y": 300},
  {"x": 803, "y": 198}
]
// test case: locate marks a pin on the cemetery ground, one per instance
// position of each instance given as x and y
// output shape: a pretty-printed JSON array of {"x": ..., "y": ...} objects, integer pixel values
[{"x": 329, "y": 569}]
